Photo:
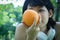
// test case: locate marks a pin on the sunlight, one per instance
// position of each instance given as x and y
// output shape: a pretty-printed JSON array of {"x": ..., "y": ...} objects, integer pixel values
[{"x": 15, "y": 2}]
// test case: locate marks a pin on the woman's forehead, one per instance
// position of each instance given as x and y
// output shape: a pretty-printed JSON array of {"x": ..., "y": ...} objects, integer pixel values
[{"x": 37, "y": 7}]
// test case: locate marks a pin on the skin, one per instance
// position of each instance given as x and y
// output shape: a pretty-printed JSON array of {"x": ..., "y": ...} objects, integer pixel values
[
  {"x": 24, "y": 33},
  {"x": 44, "y": 15}
]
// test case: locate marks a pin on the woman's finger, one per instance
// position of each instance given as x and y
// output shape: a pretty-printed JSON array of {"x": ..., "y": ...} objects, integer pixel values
[
  {"x": 39, "y": 23},
  {"x": 33, "y": 25}
]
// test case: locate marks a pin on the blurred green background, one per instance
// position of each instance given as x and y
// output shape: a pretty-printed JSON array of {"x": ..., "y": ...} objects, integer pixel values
[{"x": 10, "y": 16}]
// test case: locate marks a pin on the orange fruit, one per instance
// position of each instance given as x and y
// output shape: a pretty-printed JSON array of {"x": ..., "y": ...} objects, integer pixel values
[{"x": 28, "y": 17}]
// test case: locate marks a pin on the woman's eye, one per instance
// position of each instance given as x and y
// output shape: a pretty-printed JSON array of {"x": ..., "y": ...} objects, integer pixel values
[{"x": 41, "y": 10}]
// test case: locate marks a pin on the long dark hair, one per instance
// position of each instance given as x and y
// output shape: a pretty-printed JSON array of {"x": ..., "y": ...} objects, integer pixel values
[{"x": 46, "y": 3}]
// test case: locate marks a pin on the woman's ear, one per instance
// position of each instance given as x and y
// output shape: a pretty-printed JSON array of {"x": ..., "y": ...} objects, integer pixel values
[{"x": 50, "y": 13}]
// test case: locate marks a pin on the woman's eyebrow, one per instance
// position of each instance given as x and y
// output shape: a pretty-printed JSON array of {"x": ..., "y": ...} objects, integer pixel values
[{"x": 42, "y": 9}]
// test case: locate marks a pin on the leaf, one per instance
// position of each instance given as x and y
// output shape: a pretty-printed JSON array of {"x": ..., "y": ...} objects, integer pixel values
[
  {"x": 5, "y": 13},
  {"x": 12, "y": 16}
]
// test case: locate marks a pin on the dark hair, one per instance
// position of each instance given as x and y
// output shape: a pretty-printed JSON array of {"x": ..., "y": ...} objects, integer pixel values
[
  {"x": 40, "y": 3},
  {"x": 46, "y": 3}
]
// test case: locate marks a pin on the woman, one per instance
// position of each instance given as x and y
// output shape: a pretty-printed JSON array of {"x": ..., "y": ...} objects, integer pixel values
[{"x": 47, "y": 31}]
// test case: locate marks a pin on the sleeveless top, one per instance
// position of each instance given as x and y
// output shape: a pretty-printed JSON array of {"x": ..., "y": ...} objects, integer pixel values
[{"x": 49, "y": 36}]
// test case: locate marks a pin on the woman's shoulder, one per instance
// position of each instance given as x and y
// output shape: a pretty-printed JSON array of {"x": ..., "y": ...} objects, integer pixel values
[{"x": 51, "y": 33}]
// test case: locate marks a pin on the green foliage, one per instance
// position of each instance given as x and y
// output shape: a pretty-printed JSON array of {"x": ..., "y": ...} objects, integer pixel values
[
  {"x": 54, "y": 3},
  {"x": 12, "y": 16},
  {"x": 8, "y": 16}
]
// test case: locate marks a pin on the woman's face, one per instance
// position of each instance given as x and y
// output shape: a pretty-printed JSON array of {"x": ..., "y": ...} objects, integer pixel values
[{"x": 43, "y": 12}]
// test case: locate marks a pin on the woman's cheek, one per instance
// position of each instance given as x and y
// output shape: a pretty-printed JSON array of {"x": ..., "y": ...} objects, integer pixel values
[{"x": 44, "y": 19}]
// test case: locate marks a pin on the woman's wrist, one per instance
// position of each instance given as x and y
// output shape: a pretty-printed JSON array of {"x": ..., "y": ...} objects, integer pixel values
[{"x": 31, "y": 37}]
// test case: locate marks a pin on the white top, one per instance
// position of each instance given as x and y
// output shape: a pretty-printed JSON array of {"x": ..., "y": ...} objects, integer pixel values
[{"x": 49, "y": 36}]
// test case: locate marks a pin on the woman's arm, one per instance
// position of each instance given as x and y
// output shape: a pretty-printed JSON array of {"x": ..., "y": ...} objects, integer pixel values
[
  {"x": 24, "y": 33},
  {"x": 20, "y": 33}
]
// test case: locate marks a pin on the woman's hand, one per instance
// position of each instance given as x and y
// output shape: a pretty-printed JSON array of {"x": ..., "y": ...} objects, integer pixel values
[{"x": 32, "y": 31}]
